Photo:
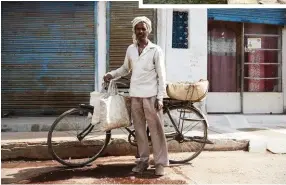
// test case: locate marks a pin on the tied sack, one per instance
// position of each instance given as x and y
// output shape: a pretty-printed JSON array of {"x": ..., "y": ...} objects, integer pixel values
[
  {"x": 113, "y": 110},
  {"x": 188, "y": 91}
]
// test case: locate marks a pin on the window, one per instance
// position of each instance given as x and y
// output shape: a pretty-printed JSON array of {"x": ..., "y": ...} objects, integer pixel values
[
  {"x": 180, "y": 29},
  {"x": 262, "y": 62}
]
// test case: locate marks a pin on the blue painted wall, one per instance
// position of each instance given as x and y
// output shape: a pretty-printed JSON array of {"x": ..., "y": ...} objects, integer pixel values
[{"x": 262, "y": 15}]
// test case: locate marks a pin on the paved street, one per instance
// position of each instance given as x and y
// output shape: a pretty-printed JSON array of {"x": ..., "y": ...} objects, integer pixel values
[{"x": 209, "y": 167}]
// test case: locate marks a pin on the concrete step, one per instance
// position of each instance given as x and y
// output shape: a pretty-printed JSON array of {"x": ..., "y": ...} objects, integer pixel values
[
  {"x": 255, "y": 133},
  {"x": 37, "y": 149}
]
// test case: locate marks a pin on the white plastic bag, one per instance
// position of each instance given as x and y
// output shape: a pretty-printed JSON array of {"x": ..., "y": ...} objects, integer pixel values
[
  {"x": 113, "y": 111},
  {"x": 110, "y": 109},
  {"x": 95, "y": 102}
]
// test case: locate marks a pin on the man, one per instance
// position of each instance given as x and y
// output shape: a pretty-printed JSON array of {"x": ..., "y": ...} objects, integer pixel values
[{"x": 147, "y": 89}]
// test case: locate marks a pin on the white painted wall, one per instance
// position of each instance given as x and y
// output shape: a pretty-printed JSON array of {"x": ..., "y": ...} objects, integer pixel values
[
  {"x": 284, "y": 66},
  {"x": 223, "y": 102},
  {"x": 185, "y": 64},
  {"x": 101, "y": 39},
  {"x": 162, "y": 28},
  {"x": 191, "y": 65},
  {"x": 268, "y": 102}
]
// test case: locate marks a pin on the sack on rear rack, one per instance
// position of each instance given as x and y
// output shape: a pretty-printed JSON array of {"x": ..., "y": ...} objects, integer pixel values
[{"x": 187, "y": 91}]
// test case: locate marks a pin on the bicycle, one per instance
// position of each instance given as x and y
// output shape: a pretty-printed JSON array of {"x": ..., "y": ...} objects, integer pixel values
[{"x": 190, "y": 143}]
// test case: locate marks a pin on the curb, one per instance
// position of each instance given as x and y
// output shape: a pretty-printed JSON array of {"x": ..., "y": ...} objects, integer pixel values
[{"x": 38, "y": 150}]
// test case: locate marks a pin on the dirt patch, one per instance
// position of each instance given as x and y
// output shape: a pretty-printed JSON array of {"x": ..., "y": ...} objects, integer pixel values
[
  {"x": 27, "y": 164},
  {"x": 103, "y": 174},
  {"x": 53, "y": 163},
  {"x": 281, "y": 126}
]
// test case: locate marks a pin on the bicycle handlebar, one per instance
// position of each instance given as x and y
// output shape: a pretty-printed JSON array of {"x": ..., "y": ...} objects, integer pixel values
[
  {"x": 116, "y": 81},
  {"x": 124, "y": 84}
]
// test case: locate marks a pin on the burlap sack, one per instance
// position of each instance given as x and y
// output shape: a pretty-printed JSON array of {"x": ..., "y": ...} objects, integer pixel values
[{"x": 187, "y": 91}]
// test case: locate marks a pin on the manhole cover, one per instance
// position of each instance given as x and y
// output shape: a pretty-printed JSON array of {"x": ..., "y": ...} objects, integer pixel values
[{"x": 251, "y": 129}]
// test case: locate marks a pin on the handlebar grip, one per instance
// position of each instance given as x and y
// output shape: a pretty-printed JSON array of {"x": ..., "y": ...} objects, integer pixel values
[{"x": 124, "y": 84}]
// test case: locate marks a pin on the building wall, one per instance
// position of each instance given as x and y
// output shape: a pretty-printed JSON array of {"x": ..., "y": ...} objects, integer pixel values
[
  {"x": 184, "y": 64},
  {"x": 102, "y": 40},
  {"x": 189, "y": 64},
  {"x": 284, "y": 66}
]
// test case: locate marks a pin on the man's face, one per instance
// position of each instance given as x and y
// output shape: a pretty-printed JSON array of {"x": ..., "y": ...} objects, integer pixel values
[{"x": 141, "y": 31}]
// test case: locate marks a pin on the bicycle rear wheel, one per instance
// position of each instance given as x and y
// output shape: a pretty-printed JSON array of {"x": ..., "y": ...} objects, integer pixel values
[
  {"x": 65, "y": 145},
  {"x": 189, "y": 140}
]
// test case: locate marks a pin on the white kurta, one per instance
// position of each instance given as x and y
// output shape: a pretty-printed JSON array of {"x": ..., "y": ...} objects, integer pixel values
[{"x": 148, "y": 71}]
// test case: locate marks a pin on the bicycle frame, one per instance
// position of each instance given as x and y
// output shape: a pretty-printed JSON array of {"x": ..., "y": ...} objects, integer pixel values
[{"x": 167, "y": 103}]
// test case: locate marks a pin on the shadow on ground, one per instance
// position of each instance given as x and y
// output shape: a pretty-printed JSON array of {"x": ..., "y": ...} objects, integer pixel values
[{"x": 103, "y": 174}]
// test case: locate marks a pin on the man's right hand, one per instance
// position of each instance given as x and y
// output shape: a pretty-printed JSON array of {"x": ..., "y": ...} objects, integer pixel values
[{"x": 107, "y": 77}]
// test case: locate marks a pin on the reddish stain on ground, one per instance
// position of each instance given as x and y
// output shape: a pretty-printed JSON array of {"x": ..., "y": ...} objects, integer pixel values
[{"x": 103, "y": 174}]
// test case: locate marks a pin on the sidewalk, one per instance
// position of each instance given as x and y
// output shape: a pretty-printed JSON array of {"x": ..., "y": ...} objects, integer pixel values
[{"x": 255, "y": 133}]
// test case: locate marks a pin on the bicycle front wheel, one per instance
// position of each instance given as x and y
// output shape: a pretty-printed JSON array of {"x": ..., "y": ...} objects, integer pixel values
[
  {"x": 64, "y": 141},
  {"x": 186, "y": 133}
]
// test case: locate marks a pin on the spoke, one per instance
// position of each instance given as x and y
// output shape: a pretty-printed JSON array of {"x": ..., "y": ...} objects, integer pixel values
[
  {"x": 180, "y": 120},
  {"x": 66, "y": 132},
  {"x": 123, "y": 130},
  {"x": 191, "y": 128},
  {"x": 60, "y": 128},
  {"x": 69, "y": 123},
  {"x": 183, "y": 121},
  {"x": 96, "y": 131},
  {"x": 76, "y": 125},
  {"x": 82, "y": 123},
  {"x": 192, "y": 146}
]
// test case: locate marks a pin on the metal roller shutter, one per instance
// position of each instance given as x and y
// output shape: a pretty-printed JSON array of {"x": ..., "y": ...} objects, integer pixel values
[
  {"x": 48, "y": 57},
  {"x": 121, "y": 15},
  {"x": 264, "y": 16}
]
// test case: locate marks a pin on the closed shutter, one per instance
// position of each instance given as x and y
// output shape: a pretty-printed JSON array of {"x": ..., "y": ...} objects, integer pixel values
[
  {"x": 47, "y": 56},
  {"x": 121, "y": 15},
  {"x": 264, "y": 16}
]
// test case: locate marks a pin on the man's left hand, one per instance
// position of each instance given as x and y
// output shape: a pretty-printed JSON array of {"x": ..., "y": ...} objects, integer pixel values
[{"x": 158, "y": 104}]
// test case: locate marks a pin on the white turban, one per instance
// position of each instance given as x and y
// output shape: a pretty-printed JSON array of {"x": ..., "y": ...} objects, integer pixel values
[{"x": 137, "y": 20}]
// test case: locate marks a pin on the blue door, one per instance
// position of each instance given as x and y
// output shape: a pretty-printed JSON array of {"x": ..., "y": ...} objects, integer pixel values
[{"x": 48, "y": 56}]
